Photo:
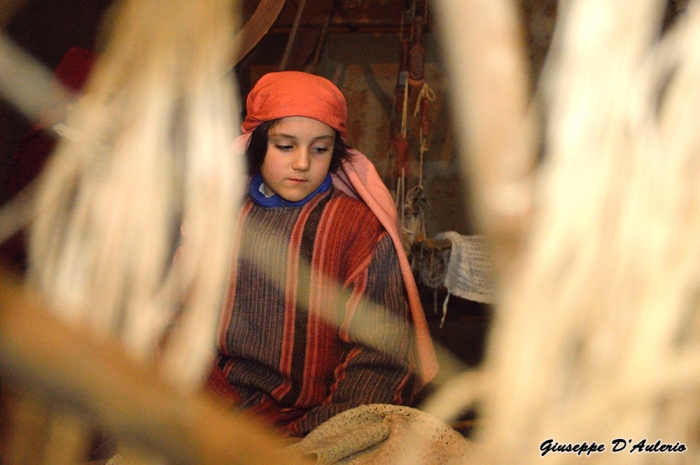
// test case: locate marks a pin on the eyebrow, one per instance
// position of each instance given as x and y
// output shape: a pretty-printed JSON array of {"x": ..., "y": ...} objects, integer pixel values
[{"x": 289, "y": 136}]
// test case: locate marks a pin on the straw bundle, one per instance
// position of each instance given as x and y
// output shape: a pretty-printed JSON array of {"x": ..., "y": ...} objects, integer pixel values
[
  {"x": 597, "y": 332},
  {"x": 148, "y": 171}
]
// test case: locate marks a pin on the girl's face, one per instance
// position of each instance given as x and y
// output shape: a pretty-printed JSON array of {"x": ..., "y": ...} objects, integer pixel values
[{"x": 299, "y": 152}]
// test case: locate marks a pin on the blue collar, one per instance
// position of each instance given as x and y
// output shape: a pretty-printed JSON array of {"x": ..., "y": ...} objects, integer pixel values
[{"x": 276, "y": 201}]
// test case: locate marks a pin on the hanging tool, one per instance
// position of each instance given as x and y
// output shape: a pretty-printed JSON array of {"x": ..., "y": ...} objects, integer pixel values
[
  {"x": 292, "y": 35},
  {"x": 400, "y": 87},
  {"x": 313, "y": 67},
  {"x": 401, "y": 146},
  {"x": 398, "y": 127},
  {"x": 416, "y": 55}
]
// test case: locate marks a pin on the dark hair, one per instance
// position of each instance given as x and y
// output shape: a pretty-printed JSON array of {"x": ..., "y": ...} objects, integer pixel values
[{"x": 257, "y": 148}]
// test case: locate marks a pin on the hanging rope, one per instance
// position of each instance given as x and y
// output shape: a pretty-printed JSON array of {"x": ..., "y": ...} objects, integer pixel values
[
  {"x": 412, "y": 202},
  {"x": 404, "y": 114},
  {"x": 426, "y": 95}
]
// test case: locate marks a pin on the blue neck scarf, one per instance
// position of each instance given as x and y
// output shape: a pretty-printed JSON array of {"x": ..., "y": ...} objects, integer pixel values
[{"x": 277, "y": 201}]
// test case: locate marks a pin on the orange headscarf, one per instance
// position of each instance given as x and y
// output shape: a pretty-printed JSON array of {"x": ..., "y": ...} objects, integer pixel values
[{"x": 294, "y": 93}]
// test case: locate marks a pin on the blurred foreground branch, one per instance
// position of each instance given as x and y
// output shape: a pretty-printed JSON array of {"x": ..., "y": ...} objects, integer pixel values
[{"x": 38, "y": 352}]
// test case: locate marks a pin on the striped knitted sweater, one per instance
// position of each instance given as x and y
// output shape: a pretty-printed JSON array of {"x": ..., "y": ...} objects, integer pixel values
[{"x": 316, "y": 320}]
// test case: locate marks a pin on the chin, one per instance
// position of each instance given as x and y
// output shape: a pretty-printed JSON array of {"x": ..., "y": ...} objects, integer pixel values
[{"x": 294, "y": 198}]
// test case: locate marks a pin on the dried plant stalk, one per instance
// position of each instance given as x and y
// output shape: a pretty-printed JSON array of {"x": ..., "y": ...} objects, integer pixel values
[
  {"x": 147, "y": 170},
  {"x": 596, "y": 332},
  {"x": 150, "y": 158},
  {"x": 492, "y": 107},
  {"x": 129, "y": 400}
]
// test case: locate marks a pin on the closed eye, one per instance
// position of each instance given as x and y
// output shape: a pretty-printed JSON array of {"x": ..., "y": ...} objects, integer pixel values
[
  {"x": 284, "y": 148},
  {"x": 320, "y": 150}
]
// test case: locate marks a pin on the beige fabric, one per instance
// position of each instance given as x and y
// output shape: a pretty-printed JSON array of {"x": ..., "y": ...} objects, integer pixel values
[
  {"x": 469, "y": 273},
  {"x": 379, "y": 434}
]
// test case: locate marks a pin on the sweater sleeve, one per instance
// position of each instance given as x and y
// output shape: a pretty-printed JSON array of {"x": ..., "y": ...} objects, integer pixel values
[{"x": 377, "y": 335}]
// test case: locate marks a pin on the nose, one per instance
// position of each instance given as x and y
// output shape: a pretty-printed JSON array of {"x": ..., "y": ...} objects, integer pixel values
[{"x": 301, "y": 160}]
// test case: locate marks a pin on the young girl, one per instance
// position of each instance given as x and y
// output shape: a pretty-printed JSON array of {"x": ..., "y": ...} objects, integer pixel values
[{"x": 322, "y": 312}]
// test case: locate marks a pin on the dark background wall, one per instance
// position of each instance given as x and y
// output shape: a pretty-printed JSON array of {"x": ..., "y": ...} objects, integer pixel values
[
  {"x": 46, "y": 29},
  {"x": 360, "y": 53}
]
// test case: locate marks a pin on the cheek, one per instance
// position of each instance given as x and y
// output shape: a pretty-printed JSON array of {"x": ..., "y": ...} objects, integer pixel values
[
  {"x": 269, "y": 167},
  {"x": 269, "y": 154},
  {"x": 273, "y": 156},
  {"x": 323, "y": 165}
]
